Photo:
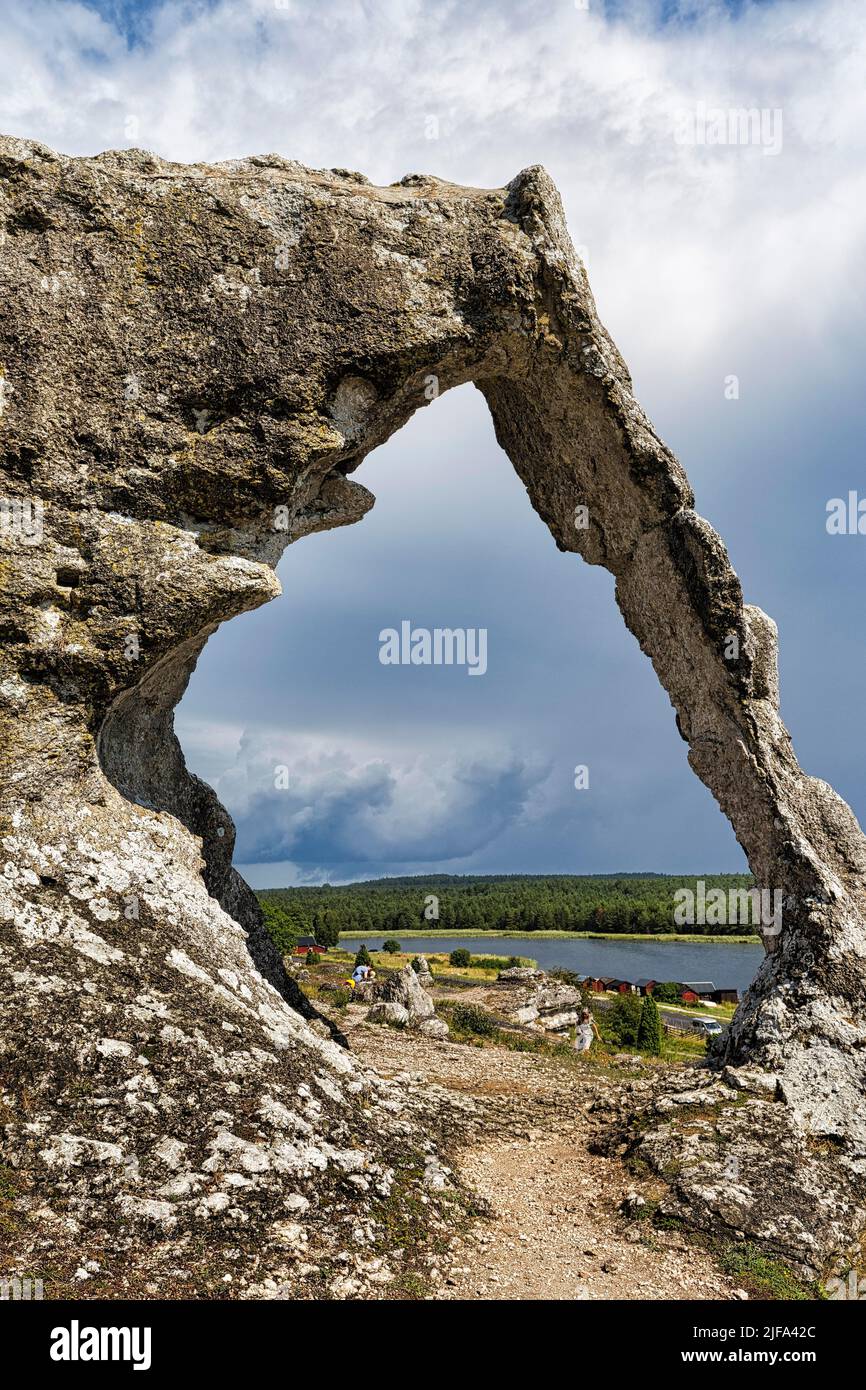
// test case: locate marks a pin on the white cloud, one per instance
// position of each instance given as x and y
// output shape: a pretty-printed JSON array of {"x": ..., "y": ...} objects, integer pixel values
[
  {"x": 694, "y": 253},
  {"x": 711, "y": 244},
  {"x": 688, "y": 232},
  {"x": 300, "y": 798}
]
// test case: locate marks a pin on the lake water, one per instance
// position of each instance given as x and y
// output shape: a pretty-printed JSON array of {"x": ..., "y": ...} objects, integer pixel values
[{"x": 729, "y": 966}]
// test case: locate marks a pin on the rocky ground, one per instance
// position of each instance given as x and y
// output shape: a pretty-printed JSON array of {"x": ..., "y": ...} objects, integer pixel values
[
  {"x": 562, "y": 1222},
  {"x": 518, "y": 1169}
]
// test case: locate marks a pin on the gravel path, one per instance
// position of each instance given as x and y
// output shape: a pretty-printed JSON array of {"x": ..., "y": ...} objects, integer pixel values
[
  {"x": 556, "y": 1229},
  {"x": 557, "y": 1234}
]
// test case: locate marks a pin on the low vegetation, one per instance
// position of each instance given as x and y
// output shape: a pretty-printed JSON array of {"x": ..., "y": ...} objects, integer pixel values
[
  {"x": 764, "y": 1277},
  {"x": 480, "y": 970},
  {"x": 469, "y": 1018}
]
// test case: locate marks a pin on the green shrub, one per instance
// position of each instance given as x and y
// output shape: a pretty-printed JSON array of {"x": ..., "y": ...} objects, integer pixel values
[
  {"x": 649, "y": 1033},
  {"x": 764, "y": 1277},
  {"x": 623, "y": 1019},
  {"x": 391, "y": 946},
  {"x": 363, "y": 956},
  {"x": 283, "y": 931},
  {"x": 667, "y": 992},
  {"x": 568, "y": 977},
  {"x": 468, "y": 1018},
  {"x": 514, "y": 962},
  {"x": 340, "y": 998},
  {"x": 461, "y": 957}
]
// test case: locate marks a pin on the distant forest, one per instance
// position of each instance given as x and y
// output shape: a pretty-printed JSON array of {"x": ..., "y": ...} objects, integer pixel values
[{"x": 494, "y": 903}]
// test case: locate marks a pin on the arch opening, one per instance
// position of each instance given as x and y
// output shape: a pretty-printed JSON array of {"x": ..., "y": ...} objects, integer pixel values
[
  {"x": 336, "y": 767},
  {"x": 240, "y": 337}
]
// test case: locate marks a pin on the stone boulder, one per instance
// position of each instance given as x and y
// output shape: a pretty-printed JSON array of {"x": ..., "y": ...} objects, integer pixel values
[
  {"x": 552, "y": 997},
  {"x": 734, "y": 1164},
  {"x": 558, "y": 1023},
  {"x": 402, "y": 999},
  {"x": 519, "y": 974},
  {"x": 423, "y": 972},
  {"x": 539, "y": 1001},
  {"x": 405, "y": 987},
  {"x": 433, "y": 1028},
  {"x": 522, "y": 1013},
  {"x": 389, "y": 1011}
]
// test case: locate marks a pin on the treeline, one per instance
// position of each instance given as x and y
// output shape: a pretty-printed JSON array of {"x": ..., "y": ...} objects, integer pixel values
[{"x": 495, "y": 903}]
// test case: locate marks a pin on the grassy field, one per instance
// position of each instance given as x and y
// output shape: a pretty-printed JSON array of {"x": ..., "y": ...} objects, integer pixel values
[
  {"x": 558, "y": 936},
  {"x": 438, "y": 962},
  {"x": 722, "y": 1013}
]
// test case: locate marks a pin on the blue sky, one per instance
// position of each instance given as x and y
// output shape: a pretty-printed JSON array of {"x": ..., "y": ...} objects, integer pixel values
[
  {"x": 131, "y": 17},
  {"x": 706, "y": 262}
]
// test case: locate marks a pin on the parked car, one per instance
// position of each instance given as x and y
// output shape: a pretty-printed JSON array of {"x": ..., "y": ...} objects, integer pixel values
[{"x": 706, "y": 1026}]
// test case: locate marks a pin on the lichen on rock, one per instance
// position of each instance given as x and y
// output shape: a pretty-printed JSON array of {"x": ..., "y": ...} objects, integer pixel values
[{"x": 193, "y": 360}]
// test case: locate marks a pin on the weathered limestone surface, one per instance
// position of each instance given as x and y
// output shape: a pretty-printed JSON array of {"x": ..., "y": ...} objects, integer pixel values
[
  {"x": 403, "y": 1000},
  {"x": 193, "y": 359},
  {"x": 532, "y": 997}
]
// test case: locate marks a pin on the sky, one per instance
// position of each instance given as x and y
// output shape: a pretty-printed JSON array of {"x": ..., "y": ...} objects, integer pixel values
[{"x": 731, "y": 276}]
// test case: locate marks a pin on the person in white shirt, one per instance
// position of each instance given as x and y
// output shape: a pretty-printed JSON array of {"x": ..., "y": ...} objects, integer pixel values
[{"x": 587, "y": 1029}]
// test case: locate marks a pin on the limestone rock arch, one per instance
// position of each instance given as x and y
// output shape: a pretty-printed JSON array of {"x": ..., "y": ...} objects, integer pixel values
[{"x": 193, "y": 360}]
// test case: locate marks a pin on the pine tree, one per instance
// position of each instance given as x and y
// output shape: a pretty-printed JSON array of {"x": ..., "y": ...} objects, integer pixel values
[{"x": 649, "y": 1033}]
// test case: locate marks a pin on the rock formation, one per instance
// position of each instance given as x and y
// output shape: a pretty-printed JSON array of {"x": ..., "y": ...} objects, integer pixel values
[
  {"x": 421, "y": 966},
  {"x": 534, "y": 999},
  {"x": 193, "y": 360},
  {"x": 402, "y": 1000}
]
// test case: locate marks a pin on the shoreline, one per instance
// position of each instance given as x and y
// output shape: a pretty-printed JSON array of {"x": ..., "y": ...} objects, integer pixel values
[{"x": 445, "y": 934}]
